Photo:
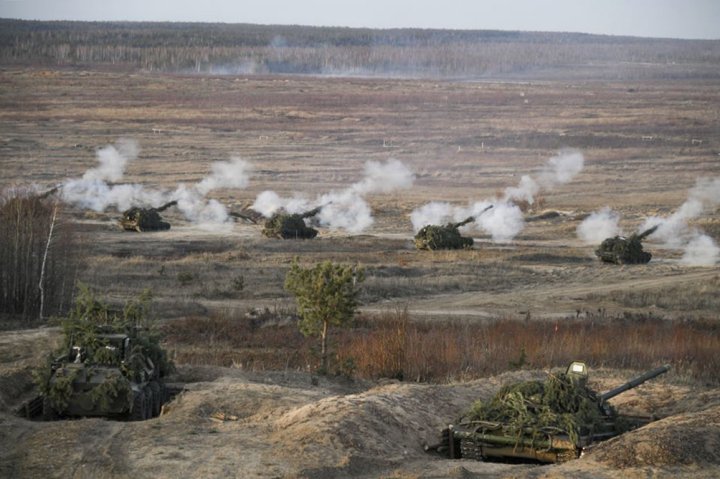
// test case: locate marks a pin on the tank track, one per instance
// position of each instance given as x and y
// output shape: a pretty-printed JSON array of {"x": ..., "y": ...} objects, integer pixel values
[{"x": 470, "y": 449}]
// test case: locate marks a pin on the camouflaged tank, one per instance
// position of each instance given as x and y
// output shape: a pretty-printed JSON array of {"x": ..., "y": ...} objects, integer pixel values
[
  {"x": 621, "y": 250},
  {"x": 145, "y": 219},
  {"x": 434, "y": 237},
  {"x": 547, "y": 421},
  {"x": 290, "y": 226},
  {"x": 106, "y": 374}
]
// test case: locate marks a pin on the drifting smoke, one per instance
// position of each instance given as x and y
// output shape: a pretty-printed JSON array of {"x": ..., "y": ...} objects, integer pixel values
[
  {"x": 93, "y": 192},
  {"x": 505, "y": 220},
  {"x": 345, "y": 209},
  {"x": 113, "y": 159},
  {"x": 599, "y": 225},
  {"x": 384, "y": 178},
  {"x": 674, "y": 231},
  {"x": 701, "y": 251},
  {"x": 226, "y": 174},
  {"x": 559, "y": 170}
]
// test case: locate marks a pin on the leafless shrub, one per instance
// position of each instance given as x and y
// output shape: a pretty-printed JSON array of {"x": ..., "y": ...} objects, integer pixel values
[{"x": 39, "y": 258}]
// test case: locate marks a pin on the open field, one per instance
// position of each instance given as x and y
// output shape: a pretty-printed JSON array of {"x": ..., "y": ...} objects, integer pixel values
[{"x": 645, "y": 144}]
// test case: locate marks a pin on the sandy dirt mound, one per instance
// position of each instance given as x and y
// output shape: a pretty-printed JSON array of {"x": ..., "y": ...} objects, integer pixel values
[{"x": 233, "y": 423}]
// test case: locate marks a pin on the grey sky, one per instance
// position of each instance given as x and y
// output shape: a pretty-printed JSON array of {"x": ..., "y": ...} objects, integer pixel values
[{"x": 646, "y": 18}]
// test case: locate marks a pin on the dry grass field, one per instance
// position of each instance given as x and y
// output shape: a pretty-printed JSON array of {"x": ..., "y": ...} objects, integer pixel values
[{"x": 645, "y": 145}]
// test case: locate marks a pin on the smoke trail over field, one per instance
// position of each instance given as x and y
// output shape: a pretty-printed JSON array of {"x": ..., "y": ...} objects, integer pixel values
[
  {"x": 674, "y": 231},
  {"x": 505, "y": 220},
  {"x": 113, "y": 159},
  {"x": 345, "y": 209},
  {"x": 93, "y": 191},
  {"x": 699, "y": 248},
  {"x": 558, "y": 170},
  {"x": 599, "y": 225}
]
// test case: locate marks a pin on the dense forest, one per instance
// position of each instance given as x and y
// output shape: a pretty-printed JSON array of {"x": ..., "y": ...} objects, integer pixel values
[{"x": 266, "y": 49}]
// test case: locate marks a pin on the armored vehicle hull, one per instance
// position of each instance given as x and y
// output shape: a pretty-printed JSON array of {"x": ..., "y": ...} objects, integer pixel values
[
  {"x": 290, "y": 226},
  {"x": 112, "y": 379},
  {"x": 145, "y": 219},
  {"x": 621, "y": 250},
  {"x": 549, "y": 422},
  {"x": 436, "y": 237}
]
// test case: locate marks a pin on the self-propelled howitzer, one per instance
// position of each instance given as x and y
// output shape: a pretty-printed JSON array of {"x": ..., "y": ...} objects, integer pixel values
[
  {"x": 550, "y": 421},
  {"x": 621, "y": 250},
  {"x": 434, "y": 237},
  {"x": 145, "y": 219},
  {"x": 290, "y": 226}
]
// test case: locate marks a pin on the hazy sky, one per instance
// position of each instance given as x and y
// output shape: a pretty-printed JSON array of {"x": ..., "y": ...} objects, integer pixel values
[{"x": 647, "y": 18}]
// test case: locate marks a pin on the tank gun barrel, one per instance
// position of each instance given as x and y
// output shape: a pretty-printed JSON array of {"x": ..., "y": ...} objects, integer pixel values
[
  {"x": 243, "y": 217},
  {"x": 311, "y": 213},
  {"x": 167, "y": 205},
  {"x": 634, "y": 382},
  {"x": 470, "y": 219},
  {"x": 467, "y": 220},
  {"x": 647, "y": 232}
]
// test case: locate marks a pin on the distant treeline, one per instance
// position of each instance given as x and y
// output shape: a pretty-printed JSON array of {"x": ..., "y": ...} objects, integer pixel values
[{"x": 265, "y": 49}]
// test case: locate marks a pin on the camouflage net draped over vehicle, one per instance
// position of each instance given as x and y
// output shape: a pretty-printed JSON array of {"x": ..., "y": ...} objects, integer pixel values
[
  {"x": 620, "y": 250},
  {"x": 559, "y": 405},
  {"x": 290, "y": 226},
  {"x": 145, "y": 219}
]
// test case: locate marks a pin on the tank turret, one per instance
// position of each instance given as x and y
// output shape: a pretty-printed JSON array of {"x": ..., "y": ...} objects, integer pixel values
[
  {"x": 621, "y": 250},
  {"x": 145, "y": 219},
  {"x": 434, "y": 237},
  {"x": 106, "y": 372},
  {"x": 547, "y": 421},
  {"x": 290, "y": 226}
]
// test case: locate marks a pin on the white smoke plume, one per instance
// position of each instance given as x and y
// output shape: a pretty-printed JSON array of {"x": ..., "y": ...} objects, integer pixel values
[
  {"x": 268, "y": 203},
  {"x": 599, "y": 225},
  {"x": 344, "y": 209},
  {"x": 674, "y": 231},
  {"x": 226, "y": 174},
  {"x": 701, "y": 251},
  {"x": 434, "y": 213},
  {"x": 113, "y": 159},
  {"x": 384, "y": 177},
  {"x": 93, "y": 192},
  {"x": 702, "y": 198},
  {"x": 558, "y": 170},
  {"x": 505, "y": 220}
]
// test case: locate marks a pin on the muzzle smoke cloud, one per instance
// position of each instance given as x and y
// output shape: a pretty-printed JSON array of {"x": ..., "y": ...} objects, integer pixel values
[
  {"x": 505, "y": 220},
  {"x": 599, "y": 225},
  {"x": 674, "y": 231},
  {"x": 92, "y": 190},
  {"x": 345, "y": 209}
]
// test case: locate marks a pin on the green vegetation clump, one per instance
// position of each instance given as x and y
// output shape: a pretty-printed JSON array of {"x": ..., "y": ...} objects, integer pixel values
[
  {"x": 433, "y": 237},
  {"x": 559, "y": 405},
  {"x": 87, "y": 327},
  {"x": 326, "y": 296}
]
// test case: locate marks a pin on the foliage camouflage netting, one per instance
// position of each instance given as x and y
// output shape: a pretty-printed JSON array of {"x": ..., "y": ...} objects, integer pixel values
[
  {"x": 86, "y": 327},
  {"x": 621, "y": 250},
  {"x": 145, "y": 219},
  {"x": 536, "y": 409},
  {"x": 433, "y": 237},
  {"x": 287, "y": 226}
]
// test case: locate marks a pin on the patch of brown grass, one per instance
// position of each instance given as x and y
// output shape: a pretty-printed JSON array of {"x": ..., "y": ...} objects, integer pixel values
[{"x": 392, "y": 345}]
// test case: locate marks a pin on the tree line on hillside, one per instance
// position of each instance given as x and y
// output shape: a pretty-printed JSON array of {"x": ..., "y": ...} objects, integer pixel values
[{"x": 261, "y": 49}]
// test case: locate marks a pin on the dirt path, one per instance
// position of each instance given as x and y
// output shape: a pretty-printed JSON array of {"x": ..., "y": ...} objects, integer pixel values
[{"x": 558, "y": 299}]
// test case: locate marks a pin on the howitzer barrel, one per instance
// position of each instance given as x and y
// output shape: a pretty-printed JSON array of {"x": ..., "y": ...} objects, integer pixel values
[
  {"x": 647, "y": 232},
  {"x": 467, "y": 220},
  {"x": 312, "y": 212},
  {"x": 634, "y": 382},
  {"x": 167, "y": 205},
  {"x": 470, "y": 219}
]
